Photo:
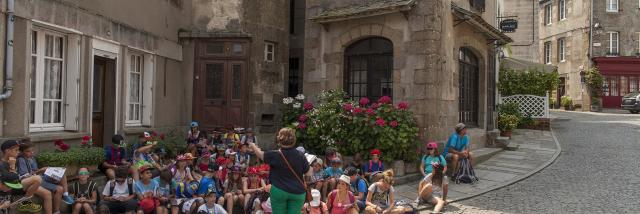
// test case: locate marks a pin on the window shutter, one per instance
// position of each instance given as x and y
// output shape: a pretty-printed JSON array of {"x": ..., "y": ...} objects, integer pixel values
[
  {"x": 72, "y": 82},
  {"x": 147, "y": 89}
]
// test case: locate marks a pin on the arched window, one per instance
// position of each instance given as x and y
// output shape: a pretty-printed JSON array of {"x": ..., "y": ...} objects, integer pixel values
[
  {"x": 369, "y": 68},
  {"x": 468, "y": 94}
]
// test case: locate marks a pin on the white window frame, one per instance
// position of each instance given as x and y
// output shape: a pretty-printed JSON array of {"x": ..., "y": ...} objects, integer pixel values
[
  {"x": 561, "y": 50},
  {"x": 135, "y": 66},
  {"x": 547, "y": 10},
  {"x": 562, "y": 10},
  {"x": 610, "y": 6},
  {"x": 269, "y": 56},
  {"x": 610, "y": 40},
  {"x": 547, "y": 52},
  {"x": 38, "y": 125}
]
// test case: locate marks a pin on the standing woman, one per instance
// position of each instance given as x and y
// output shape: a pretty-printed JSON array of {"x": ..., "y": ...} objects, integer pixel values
[{"x": 287, "y": 168}]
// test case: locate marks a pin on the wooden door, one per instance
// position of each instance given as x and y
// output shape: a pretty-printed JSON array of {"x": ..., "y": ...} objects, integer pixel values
[
  {"x": 611, "y": 91},
  {"x": 97, "y": 118},
  {"x": 219, "y": 93}
]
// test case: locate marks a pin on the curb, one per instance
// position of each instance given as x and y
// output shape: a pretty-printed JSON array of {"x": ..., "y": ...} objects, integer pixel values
[{"x": 531, "y": 173}]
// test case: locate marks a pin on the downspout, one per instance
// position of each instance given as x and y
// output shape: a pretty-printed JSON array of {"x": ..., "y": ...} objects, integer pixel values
[
  {"x": 590, "y": 35},
  {"x": 8, "y": 64}
]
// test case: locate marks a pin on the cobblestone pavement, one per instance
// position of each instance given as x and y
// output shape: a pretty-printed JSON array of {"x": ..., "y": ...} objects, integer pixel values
[{"x": 596, "y": 172}]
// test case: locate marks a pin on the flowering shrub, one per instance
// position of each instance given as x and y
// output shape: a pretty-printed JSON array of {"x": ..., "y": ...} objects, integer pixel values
[{"x": 350, "y": 126}]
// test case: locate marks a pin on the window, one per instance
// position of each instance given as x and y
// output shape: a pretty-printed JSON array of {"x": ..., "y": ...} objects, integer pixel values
[
  {"x": 292, "y": 16},
  {"x": 612, "y": 5},
  {"x": 612, "y": 43},
  {"x": 468, "y": 96},
  {"x": 477, "y": 4},
  {"x": 547, "y": 52},
  {"x": 269, "y": 49},
  {"x": 134, "y": 94},
  {"x": 47, "y": 85},
  {"x": 562, "y": 10},
  {"x": 561, "y": 50},
  {"x": 547, "y": 14},
  {"x": 294, "y": 77},
  {"x": 369, "y": 69}
]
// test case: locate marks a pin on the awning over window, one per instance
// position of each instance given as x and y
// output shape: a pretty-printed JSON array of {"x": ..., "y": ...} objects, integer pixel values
[
  {"x": 364, "y": 9},
  {"x": 618, "y": 65},
  {"x": 479, "y": 23}
]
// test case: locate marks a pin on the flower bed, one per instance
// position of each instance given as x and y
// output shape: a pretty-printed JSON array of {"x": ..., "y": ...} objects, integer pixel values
[{"x": 350, "y": 127}]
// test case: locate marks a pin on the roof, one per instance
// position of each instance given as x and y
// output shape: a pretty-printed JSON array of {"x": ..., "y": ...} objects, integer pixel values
[
  {"x": 478, "y": 22},
  {"x": 523, "y": 65},
  {"x": 364, "y": 9}
]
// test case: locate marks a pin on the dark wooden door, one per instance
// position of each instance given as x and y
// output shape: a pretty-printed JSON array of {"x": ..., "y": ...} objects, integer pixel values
[
  {"x": 611, "y": 91},
  {"x": 219, "y": 93},
  {"x": 97, "y": 118}
]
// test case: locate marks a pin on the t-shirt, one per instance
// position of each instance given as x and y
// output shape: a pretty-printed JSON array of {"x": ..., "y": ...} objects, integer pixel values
[
  {"x": 231, "y": 186},
  {"x": 120, "y": 190},
  {"x": 360, "y": 186},
  {"x": 318, "y": 176},
  {"x": 455, "y": 142},
  {"x": 428, "y": 160},
  {"x": 83, "y": 190},
  {"x": 216, "y": 209},
  {"x": 163, "y": 189},
  {"x": 338, "y": 207},
  {"x": 114, "y": 155},
  {"x": 333, "y": 172},
  {"x": 379, "y": 197},
  {"x": 208, "y": 184},
  {"x": 143, "y": 189},
  {"x": 247, "y": 139},
  {"x": 26, "y": 165},
  {"x": 280, "y": 175},
  {"x": 437, "y": 190},
  {"x": 373, "y": 166}
]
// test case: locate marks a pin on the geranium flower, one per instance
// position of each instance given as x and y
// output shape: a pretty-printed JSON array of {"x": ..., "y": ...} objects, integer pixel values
[
  {"x": 384, "y": 99},
  {"x": 300, "y": 97},
  {"x": 364, "y": 101},
  {"x": 287, "y": 100},
  {"x": 393, "y": 123},
  {"x": 303, "y": 118},
  {"x": 86, "y": 138},
  {"x": 403, "y": 105},
  {"x": 375, "y": 105},
  {"x": 380, "y": 122},
  {"x": 370, "y": 111},
  {"x": 357, "y": 110},
  {"x": 154, "y": 133},
  {"x": 302, "y": 126},
  {"x": 347, "y": 106},
  {"x": 308, "y": 106},
  {"x": 162, "y": 136}
]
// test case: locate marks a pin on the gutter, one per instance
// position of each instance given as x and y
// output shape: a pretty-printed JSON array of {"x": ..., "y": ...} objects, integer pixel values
[{"x": 8, "y": 64}]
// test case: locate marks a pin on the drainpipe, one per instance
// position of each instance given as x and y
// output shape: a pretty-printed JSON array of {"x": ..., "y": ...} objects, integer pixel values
[
  {"x": 590, "y": 35},
  {"x": 8, "y": 64}
]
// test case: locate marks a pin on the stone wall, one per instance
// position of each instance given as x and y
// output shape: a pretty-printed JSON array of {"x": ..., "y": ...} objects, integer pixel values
[
  {"x": 525, "y": 45},
  {"x": 626, "y": 22}
]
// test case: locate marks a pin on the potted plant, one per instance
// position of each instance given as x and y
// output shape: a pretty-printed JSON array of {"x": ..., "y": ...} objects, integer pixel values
[
  {"x": 506, "y": 124},
  {"x": 567, "y": 102},
  {"x": 596, "y": 105},
  {"x": 594, "y": 81}
]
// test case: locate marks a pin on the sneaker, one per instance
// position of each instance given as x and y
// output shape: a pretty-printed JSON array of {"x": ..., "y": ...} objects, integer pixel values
[
  {"x": 29, "y": 206},
  {"x": 67, "y": 199},
  {"x": 417, "y": 201}
]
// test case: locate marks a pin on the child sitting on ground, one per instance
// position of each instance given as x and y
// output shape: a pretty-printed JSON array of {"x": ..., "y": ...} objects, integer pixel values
[
  {"x": 373, "y": 167},
  {"x": 85, "y": 193},
  {"x": 315, "y": 206},
  {"x": 210, "y": 207},
  {"x": 333, "y": 172}
]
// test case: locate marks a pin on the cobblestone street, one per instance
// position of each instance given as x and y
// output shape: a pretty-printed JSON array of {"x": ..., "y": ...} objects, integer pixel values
[{"x": 596, "y": 172}]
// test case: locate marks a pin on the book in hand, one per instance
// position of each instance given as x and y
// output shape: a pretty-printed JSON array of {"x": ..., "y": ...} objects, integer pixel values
[{"x": 55, "y": 173}]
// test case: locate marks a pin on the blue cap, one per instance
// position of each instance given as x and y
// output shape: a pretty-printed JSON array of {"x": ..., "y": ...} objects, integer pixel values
[{"x": 194, "y": 124}]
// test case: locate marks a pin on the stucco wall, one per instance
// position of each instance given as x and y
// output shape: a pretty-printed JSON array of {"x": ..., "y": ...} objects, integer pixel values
[
  {"x": 525, "y": 45},
  {"x": 626, "y": 22}
]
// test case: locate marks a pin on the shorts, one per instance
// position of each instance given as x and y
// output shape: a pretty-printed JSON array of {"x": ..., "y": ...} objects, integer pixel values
[
  {"x": 361, "y": 204},
  {"x": 47, "y": 184}
]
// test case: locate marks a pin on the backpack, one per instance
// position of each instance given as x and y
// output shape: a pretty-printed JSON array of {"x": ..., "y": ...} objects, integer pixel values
[
  {"x": 465, "y": 173},
  {"x": 332, "y": 197},
  {"x": 86, "y": 193},
  {"x": 355, "y": 190},
  {"x": 371, "y": 165},
  {"x": 129, "y": 186}
]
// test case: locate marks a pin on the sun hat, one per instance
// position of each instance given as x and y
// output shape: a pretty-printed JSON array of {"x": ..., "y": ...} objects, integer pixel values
[
  {"x": 460, "y": 127},
  {"x": 184, "y": 157},
  {"x": 375, "y": 152},
  {"x": 145, "y": 168},
  {"x": 221, "y": 161},
  {"x": 432, "y": 145},
  {"x": 345, "y": 179},
  {"x": 12, "y": 180},
  {"x": 236, "y": 169},
  {"x": 84, "y": 171},
  {"x": 316, "y": 198},
  {"x": 9, "y": 144},
  {"x": 336, "y": 160},
  {"x": 213, "y": 167},
  {"x": 220, "y": 147},
  {"x": 253, "y": 171}
]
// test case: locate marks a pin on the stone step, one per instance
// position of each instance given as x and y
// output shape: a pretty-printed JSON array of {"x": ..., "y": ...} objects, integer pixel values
[
  {"x": 484, "y": 154},
  {"x": 512, "y": 147},
  {"x": 502, "y": 142}
]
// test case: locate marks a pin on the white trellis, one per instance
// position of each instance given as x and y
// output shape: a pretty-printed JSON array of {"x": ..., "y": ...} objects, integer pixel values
[{"x": 534, "y": 106}]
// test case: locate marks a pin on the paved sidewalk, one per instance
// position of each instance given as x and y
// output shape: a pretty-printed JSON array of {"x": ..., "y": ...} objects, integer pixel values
[{"x": 537, "y": 150}]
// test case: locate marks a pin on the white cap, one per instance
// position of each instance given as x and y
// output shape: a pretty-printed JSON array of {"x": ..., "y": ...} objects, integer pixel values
[
  {"x": 316, "y": 198},
  {"x": 345, "y": 178}
]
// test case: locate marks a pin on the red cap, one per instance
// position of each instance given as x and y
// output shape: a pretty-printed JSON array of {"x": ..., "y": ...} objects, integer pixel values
[
  {"x": 432, "y": 145},
  {"x": 375, "y": 152},
  {"x": 147, "y": 205},
  {"x": 253, "y": 171}
]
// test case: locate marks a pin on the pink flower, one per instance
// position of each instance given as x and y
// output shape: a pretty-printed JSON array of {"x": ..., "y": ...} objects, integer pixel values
[
  {"x": 403, "y": 105},
  {"x": 347, "y": 106},
  {"x": 302, "y": 126},
  {"x": 357, "y": 110},
  {"x": 303, "y": 118},
  {"x": 364, "y": 101},
  {"x": 384, "y": 99},
  {"x": 154, "y": 133},
  {"x": 380, "y": 122},
  {"x": 58, "y": 142},
  {"x": 375, "y": 105},
  {"x": 162, "y": 136},
  {"x": 370, "y": 111},
  {"x": 84, "y": 143},
  {"x": 308, "y": 106},
  {"x": 393, "y": 123},
  {"x": 86, "y": 138}
]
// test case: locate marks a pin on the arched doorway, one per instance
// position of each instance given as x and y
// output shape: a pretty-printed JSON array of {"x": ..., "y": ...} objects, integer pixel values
[
  {"x": 369, "y": 68},
  {"x": 469, "y": 87}
]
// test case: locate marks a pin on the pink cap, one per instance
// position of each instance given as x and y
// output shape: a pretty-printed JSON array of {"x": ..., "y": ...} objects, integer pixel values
[{"x": 432, "y": 145}]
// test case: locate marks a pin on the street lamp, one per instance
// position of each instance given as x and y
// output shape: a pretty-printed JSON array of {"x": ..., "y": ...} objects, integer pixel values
[{"x": 582, "y": 78}]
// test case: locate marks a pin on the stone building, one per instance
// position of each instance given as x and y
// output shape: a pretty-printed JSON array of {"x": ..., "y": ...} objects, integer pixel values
[
  {"x": 102, "y": 67},
  {"x": 575, "y": 35},
  {"x": 525, "y": 37},
  {"x": 439, "y": 55}
]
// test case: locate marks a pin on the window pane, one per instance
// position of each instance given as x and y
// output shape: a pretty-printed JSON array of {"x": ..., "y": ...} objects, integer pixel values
[
  {"x": 32, "y": 112},
  {"x": 48, "y": 49},
  {"x": 34, "y": 42},
  {"x": 237, "y": 49},
  {"x": 237, "y": 82},
  {"x": 137, "y": 112},
  {"x": 132, "y": 63},
  {"x": 131, "y": 110},
  {"x": 214, "y": 75},
  {"x": 58, "y": 47},
  {"x": 138, "y": 64},
  {"x": 52, "y": 79},
  {"x": 57, "y": 112},
  {"x": 134, "y": 87},
  {"x": 46, "y": 114},
  {"x": 33, "y": 76},
  {"x": 215, "y": 48}
]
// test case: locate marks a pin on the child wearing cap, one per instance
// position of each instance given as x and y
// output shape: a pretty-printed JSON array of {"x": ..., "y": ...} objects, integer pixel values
[
  {"x": 142, "y": 154},
  {"x": 10, "y": 189},
  {"x": 457, "y": 147},
  {"x": 433, "y": 188},
  {"x": 31, "y": 185},
  {"x": 146, "y": 190},
  {"x": 230, "y": 138},
  {"x": 249, "y": 137},
  {"x": 242, "y": 158},
  {"x": 115, "y": 156},
  {"x": 85, "y": 193},
  {"x": 233, "y": 189},
  {"x": 432, "y": 156},
  {"x": 28, "y": 166},
  {"x": 252, "y": 185},
  {"x": 119, "y": 195},
  {"x": 333, "y": 172},
  {"x": 210, "y": 183},
  {"x": 318, "y": 177},
  {"x": 315, "y": 206},
  {"x": 181, "y": 172},
  {"x": 210, "y": 207},
  {"x": 341, "y": 200},
  {"x": 373, "y": 166}
]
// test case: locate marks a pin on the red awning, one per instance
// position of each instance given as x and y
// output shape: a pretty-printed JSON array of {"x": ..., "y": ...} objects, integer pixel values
[{"x": 618, "y": 65}]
